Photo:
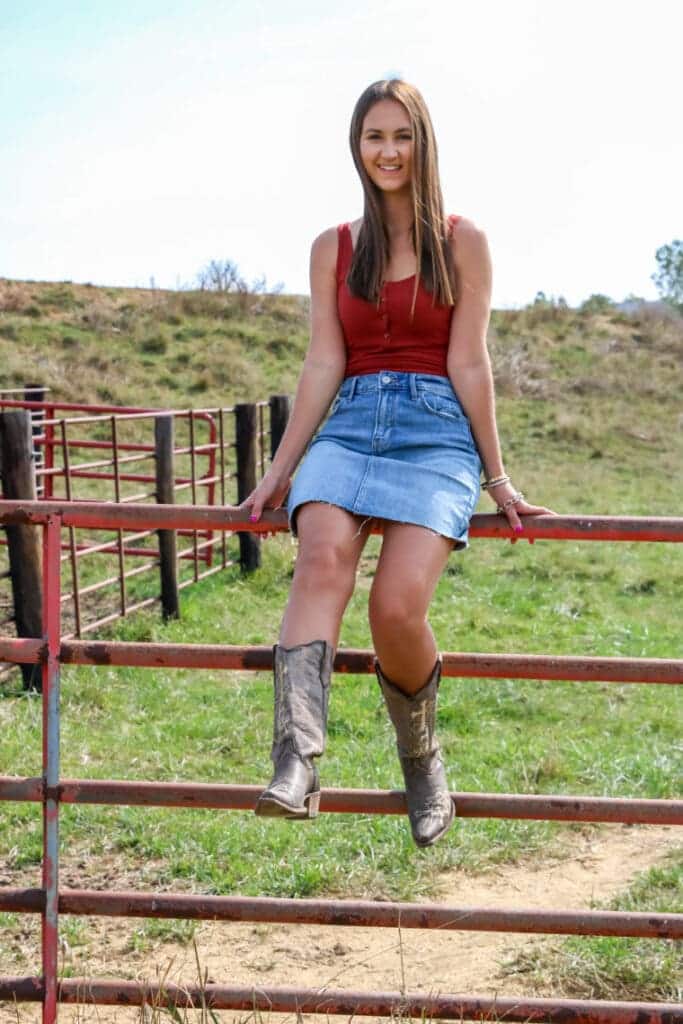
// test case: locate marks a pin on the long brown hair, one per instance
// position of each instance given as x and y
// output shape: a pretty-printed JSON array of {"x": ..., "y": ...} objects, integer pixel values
[{"x": 435, "y": 264}]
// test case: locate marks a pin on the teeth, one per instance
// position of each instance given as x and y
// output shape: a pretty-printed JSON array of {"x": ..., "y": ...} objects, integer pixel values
[{"x": 388, "y": 168}]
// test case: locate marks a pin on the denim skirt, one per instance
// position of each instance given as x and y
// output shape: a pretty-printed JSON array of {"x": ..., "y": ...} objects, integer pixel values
[{"x": 395, "y": 446}]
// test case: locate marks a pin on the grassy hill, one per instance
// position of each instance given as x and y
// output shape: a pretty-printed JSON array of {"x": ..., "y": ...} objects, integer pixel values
[
  {"x": 592, "y": 395},
  {"x": 589, "y": 400}
]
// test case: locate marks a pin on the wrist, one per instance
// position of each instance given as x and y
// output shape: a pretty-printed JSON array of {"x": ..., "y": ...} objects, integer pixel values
[
  {"x": 280, "y": 472},
  {"x": 494, "y": 480}
]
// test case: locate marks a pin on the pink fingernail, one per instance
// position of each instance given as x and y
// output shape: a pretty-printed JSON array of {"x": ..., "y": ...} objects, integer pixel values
[
  {"x": 253, "y": 519},
  {"x": 519, "y": 528}
]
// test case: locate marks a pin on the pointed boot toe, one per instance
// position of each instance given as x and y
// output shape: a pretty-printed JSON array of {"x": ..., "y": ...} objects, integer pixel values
[{"x": 431, "y": 810}]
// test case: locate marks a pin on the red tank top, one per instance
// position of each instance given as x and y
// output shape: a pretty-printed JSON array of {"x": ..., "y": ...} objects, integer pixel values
[{"x": 384, "y": 338}]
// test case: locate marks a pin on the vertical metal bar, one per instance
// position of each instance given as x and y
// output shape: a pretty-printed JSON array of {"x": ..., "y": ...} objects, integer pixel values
[
  {"x": 221, "y": 459},
  {"x": 211, "y": 488},
  {"x": 72, "y": 531},
  {"x": 50, "y": 671},
  {"x": 36, "y": 393},
  {"x": 49, "y": 457},
  {"x": 117, "y": 498},
  {"x": 193, "y": 476},
  {"x": 260, "y": 440}
]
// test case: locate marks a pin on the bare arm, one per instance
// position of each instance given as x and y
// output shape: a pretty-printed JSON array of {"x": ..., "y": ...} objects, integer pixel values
[
  {"x": 321, "y": 375},
  {"x": 469, "y": 366}
]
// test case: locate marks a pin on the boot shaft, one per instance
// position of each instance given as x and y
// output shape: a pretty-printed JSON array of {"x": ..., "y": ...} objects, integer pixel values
[
  {"x": 301, "y": 679},
  {"x": 413, "y": 715}
]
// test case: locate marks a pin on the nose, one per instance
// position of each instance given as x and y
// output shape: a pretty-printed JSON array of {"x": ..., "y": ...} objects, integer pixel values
[{"x": 389, "y": 150}]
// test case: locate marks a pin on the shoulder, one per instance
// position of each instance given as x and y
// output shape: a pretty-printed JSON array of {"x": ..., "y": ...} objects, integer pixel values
[
  {"x": 469, "y": 245},
  {"x": 324, "y": 250}
]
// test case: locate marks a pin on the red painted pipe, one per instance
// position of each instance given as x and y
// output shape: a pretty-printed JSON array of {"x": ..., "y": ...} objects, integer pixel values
[
  {"x": 351, "y": 913},
  {"x": 94, "y": 515},
  {"x": 537, "y": 807},
  {"x": 260, "y": 658},
  {"x": 334, "y": 1002}
]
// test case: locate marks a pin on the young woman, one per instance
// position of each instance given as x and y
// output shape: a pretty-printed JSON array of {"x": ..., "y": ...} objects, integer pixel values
[{"x": 400, "y": 303}]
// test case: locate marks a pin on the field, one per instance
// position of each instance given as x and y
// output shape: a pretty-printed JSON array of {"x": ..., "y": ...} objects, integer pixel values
[{"x": 590, "y": 422}]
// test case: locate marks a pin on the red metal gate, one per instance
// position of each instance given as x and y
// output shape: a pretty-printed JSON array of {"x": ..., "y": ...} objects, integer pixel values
[{"x": 50, "y": 901}]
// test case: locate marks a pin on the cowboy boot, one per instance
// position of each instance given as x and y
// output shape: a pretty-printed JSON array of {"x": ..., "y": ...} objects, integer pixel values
[
  {"x": 430, "y": 807},
  {"x": 302, "y": 686}
]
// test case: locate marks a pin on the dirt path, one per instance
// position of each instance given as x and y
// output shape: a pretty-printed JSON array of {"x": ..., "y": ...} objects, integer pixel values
[{"x": 603, "y": 862}]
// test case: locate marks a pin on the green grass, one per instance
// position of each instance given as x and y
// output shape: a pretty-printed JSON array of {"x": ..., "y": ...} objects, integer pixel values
[
  {"x": 604, "y": 967},
  {"x": 498, "y": 735}
]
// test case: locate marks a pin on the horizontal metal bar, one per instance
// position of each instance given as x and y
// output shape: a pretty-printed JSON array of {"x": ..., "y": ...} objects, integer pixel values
[
  {"x": 120, "y": 411},
  {"x": 260, "y": 658},
  {"x": 108, "y": 546},
  {"x": 125, "y": 446},
  {"x": 539, "y": 807},
  {"x": 78, "y": 468},
  {"x": 132, "y": 446},
  {"x": 202, "y": 517},
  {"x": 344, "y": 1002},
  {"x": 141, "y": 496},
  {"x": 350, "y": 913},
  {"x": 202, "y": 575},
  {"x": 113, "y": 616}
]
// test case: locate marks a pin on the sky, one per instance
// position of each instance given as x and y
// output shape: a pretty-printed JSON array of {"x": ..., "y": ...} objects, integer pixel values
[{"x": 139, "y": 141}]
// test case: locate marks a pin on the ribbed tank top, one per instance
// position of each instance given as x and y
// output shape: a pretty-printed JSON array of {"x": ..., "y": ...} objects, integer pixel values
[{"x": 384, "y": 338}]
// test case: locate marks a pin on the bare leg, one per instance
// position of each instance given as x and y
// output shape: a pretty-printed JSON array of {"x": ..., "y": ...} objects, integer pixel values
[
  {"x": 410, "y": 563},
  {"x": 330, "y": 544},
  {"x": 409, "y": 566},
  {"x": 331, "y": 541}
]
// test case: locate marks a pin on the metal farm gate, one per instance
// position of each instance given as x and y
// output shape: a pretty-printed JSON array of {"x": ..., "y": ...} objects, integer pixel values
[{"x": 49, "y": 901}]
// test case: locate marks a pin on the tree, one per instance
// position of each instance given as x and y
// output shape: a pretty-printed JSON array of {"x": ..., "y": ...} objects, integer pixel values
[
  {"x": 669, "y": 277},
  {"x": 221, "y": 276}
]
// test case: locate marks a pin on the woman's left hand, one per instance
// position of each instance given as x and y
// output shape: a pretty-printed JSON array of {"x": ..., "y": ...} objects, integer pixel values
[{"x": 503, "y": 493}]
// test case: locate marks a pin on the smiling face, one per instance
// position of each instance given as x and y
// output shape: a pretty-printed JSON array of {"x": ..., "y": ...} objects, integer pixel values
[{"x": 386, "y": 146}]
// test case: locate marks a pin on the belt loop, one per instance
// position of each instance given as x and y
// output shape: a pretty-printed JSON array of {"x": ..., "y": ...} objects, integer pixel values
[
  {"x": 352, "y": 389},
  {"x": 413, "y": 386}
]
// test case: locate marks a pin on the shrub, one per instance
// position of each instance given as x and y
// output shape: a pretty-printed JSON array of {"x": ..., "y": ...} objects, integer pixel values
[
  {"x": 596, "y": 303},
  {"x": 156, "y": 345}
]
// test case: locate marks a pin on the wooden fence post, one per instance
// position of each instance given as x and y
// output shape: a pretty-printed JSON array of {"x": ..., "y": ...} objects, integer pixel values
[
  {"x": 279, "y": 414},
  {"x": 165, "y": 495},
  {"x": 245, "y": 443},
  {"x": 23, "y": 542}
]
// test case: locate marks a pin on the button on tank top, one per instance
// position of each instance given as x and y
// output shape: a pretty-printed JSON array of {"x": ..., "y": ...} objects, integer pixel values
[{"x": 384, "y": 338}]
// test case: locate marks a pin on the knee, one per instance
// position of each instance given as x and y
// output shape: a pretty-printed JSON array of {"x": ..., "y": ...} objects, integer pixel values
[
  {"x": 395, "y": 612},
  {"x": 322, "y": 563}
]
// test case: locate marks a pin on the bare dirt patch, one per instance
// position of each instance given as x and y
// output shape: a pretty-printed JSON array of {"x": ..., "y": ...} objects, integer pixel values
[{"x": 603, "y": 862}]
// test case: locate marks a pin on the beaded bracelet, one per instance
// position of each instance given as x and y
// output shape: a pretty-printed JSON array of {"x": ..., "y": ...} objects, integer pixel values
[{"x": 514, "y": 500}]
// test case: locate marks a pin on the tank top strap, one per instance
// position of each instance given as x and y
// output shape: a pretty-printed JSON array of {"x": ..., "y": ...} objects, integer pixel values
[{"x": 344, "y": 251}]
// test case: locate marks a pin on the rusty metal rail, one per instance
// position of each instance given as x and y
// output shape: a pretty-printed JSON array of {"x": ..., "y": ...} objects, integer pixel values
[
  {"x": 348, "y": 913},
  {"x": 347, "y": 1003},
  {"x": 470, "y": 664},
  {"x": 52, "y": 650},
  {"x": 536, "y": 807},
  {"x": 92, "y": 515}
]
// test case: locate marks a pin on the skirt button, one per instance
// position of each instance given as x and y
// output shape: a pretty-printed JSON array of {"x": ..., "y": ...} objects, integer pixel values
[{"x": 386, "y": 380}]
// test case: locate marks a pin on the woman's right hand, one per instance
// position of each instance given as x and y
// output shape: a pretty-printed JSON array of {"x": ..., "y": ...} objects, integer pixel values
[{"x": 270, "y": 493}]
